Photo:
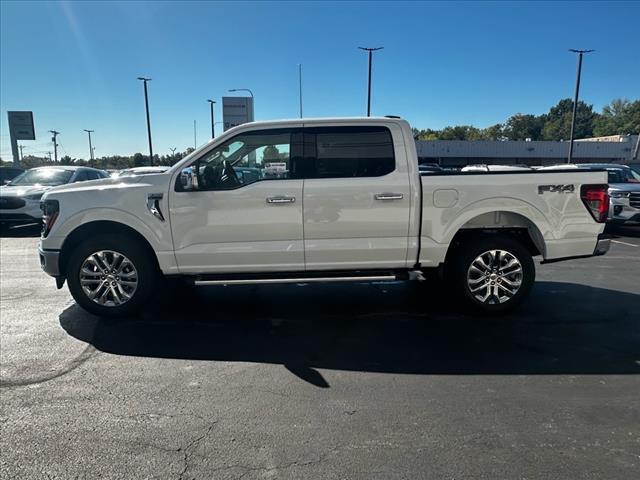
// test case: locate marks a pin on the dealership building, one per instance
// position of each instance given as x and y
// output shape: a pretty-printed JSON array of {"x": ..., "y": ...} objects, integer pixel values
[{"x": 457, "y": 153}]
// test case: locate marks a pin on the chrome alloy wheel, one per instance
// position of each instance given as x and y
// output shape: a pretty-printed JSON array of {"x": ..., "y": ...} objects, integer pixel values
[
  {"x": 108, "y": 278},
  {"x": 494, "y": 277}
]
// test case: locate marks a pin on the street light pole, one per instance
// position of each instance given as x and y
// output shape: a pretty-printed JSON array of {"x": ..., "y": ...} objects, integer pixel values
[
  {"x": 90, "y": 147},
  {"x": 370, "y": 50},
  {"x": 242, "y": 90},
  {"x": 213, "y": 130},
  {"x": 146, "y": 104},
  {"x": 575, "y": 100},
  {"x": 300, "y": 86}
]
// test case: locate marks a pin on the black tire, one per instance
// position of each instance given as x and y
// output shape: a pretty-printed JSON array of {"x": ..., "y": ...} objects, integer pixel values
[
  {"x": 460, "y": 274},
  {"x": 145, "y": 267}
]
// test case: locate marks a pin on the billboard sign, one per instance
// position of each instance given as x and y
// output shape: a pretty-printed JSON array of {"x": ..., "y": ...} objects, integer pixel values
[
  {"x": 21, "y": 125},
  {"x": 236, "y": 111}
]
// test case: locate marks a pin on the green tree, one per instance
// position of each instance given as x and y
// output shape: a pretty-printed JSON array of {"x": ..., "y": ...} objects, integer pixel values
[
  {"x": 139, "y": 160},
  {"x": 620, "y": 117},
  {"x": 494, "y": 132},
  {"x": 557, "y": 123},
  {"x": 521, "y": 127}
]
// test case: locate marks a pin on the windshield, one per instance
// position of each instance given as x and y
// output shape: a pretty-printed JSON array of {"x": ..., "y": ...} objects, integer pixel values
[
  {"x": 623, "y": 175},
  {"x": 44, "y": 176}
]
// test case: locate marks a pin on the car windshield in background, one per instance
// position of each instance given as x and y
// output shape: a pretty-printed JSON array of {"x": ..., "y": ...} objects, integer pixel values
[
  {"x": 623, "y": 175},
  {"x": 44, "y": 176}
]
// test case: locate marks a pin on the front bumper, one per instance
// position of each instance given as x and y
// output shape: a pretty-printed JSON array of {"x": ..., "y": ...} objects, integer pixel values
[
  {"x": 28, "y": 213},
  {"x": 622, "y": 211},
  {"x": 50, "y": 261}
]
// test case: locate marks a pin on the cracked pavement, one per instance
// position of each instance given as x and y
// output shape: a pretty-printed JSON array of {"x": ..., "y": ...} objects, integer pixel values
[{"x": 380, "y": 381}]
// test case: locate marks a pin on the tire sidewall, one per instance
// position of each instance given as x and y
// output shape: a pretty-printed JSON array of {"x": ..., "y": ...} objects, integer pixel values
[
  {"x": 136, "y": 253},
  {"x": 470, "y": 251}
]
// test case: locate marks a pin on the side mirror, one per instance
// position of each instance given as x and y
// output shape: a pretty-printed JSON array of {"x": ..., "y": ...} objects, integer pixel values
[{"x": 188, "y": 179}]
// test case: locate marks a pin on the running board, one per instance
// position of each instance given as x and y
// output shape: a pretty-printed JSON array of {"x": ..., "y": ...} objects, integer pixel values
[{"x": 252, "y": 281}]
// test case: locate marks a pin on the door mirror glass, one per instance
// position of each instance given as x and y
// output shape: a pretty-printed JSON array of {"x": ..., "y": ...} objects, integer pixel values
[{"x": 189, "y": 179}]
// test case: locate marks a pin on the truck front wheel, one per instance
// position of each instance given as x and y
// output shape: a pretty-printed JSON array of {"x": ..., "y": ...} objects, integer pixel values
[
  {"x": 111, "y": 275},
  {"x": 493, "y": 273}
]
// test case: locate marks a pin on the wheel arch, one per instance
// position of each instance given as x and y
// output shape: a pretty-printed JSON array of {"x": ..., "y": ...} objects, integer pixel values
[
  {"x": 101, "y": 227},
  {"x": 502, "y": 222}
]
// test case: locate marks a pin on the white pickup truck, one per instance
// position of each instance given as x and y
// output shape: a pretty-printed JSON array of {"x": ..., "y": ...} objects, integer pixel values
[{"x": 346, "y": 202}]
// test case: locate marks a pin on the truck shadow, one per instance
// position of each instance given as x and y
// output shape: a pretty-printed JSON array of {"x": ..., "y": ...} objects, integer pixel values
[{"x": 563, "y": 328}]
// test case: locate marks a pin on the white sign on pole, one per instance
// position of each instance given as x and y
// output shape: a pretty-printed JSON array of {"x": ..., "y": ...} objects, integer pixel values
[
  {"x": 236, "y": 111},
  {"x": 20, "y": 128},
  {"x": 21, "y": 125}
]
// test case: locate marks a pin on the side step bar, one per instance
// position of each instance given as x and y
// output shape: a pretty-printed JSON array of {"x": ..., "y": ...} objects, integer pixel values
[
  {"x": 252, "y": 281},
  {"x": 307, "y": 277}
]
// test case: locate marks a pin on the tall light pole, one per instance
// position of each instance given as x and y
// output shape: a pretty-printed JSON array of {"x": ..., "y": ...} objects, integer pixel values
[
  {"x": 300, "y": 86},
  {"x": 213, "y": 130},
  {"x": 370, "y": 50},
  {"x": 90, "y": 147},
  {"x": 55, "y": 145},
  {"x": 146, "y": 104},
  {"x": 575, "y": 100},
  {"x": 194, "y": 135}
]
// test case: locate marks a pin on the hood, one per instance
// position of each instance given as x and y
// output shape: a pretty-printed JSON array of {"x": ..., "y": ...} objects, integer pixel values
[
  {"x": 22, "y": 190},
  {"x": 103, "y": 184},
  {"x": 624, "y": 187}
]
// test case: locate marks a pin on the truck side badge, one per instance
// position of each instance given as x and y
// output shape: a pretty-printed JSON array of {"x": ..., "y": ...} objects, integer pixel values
[
  {"x": 555, "y": 189},
  {"x": 153, "y": 204}
]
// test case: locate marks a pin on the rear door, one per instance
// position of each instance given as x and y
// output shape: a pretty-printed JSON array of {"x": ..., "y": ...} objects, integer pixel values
[{"x": 356, "y": 198}]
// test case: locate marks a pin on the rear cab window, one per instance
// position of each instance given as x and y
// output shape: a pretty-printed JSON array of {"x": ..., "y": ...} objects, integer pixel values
[{"x": 347, "y": 152}]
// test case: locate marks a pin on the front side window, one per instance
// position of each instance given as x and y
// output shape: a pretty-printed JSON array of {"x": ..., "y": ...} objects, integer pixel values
[
  {"x": 247, "y": 158},
  {"x": 343, "y": 152}
]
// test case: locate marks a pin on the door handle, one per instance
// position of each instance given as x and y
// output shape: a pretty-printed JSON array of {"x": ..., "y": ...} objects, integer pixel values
[
  {"x": 388, "y": 196},
  {"x": 281, "y": 199}
]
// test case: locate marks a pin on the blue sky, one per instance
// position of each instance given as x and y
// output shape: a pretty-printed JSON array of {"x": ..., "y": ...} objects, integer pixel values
[{"x": 75, "y": 63}]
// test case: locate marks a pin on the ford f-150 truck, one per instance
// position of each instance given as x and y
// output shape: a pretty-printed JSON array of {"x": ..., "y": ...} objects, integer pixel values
[{"x": 316, "y": 201}]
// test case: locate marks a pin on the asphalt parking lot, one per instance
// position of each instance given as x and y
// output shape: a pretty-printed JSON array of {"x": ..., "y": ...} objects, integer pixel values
[{"x": 366, "y": 381}]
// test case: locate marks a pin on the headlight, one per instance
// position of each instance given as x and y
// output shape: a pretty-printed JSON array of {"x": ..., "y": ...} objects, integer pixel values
[
  {"x": 50, "y": 210},
  {"x": 619, "y": 194},
  {"x": 34, "y": 196}
]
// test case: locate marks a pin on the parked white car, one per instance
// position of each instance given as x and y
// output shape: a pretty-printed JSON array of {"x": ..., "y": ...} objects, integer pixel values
[
  {"x": 352, "y": 206},
  {"x": 20, "y": 198}
]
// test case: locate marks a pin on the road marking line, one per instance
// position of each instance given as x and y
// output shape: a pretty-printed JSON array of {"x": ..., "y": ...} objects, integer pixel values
[{"x": 624, "y": 243}]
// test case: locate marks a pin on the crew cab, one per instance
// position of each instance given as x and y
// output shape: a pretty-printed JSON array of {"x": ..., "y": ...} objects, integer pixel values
[{"x": 318, "y": 200}]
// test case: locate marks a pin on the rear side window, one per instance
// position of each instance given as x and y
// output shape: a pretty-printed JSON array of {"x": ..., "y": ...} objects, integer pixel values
[{"x": 347, "y": 152}]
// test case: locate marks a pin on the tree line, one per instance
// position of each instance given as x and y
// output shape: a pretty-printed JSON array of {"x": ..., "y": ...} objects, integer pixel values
[{"x": 620, "y": 117}]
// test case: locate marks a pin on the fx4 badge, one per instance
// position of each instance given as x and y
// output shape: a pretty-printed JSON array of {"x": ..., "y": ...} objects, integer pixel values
[{"x": 555, "y": 189}]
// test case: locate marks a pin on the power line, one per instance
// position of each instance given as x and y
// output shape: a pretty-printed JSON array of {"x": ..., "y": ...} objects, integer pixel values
[{"x": 55, "y": 143}]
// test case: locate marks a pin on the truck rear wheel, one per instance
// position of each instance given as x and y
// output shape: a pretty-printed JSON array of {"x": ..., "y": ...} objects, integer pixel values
[
  {"x": 111, "y": 275},
  {"x": 493, "y": 274}
]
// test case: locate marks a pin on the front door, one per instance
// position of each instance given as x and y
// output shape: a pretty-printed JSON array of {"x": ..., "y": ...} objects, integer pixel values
[{"x": 238, "y": 208}]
